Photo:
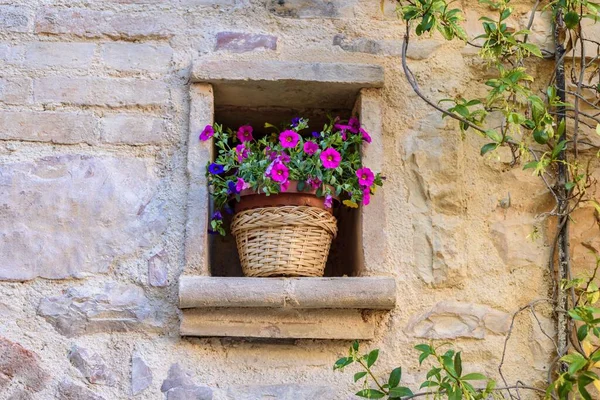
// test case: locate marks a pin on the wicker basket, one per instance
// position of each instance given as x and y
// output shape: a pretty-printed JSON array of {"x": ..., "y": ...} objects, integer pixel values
[{"x": 284, "y": 241}]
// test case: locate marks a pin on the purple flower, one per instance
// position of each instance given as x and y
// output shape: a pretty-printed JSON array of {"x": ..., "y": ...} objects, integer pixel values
[
  {"x": 295, "y": 121},
  {"x": 331, "y": 158},
  {"x": 355, "y": 124},
  {"x": 328, "y": 201},
  {"x": 365, "y": 135},
  {"x": 241, "y": 152},
  {"x": 279, "y": 172},
  {"x": 232, "y": 188},
  {"x": 215, "y": 168},
  {"x": 284, "y": 186},
  {"x": 310, "y": 148},
  {"x": 217, "y": 215},
  {"x": 314, "y": 182},
  {"x": 316, "y": 134},
  {"x": 244, "y": 133},
  {"x": 366, "y": 196},
  {"x": 365, "y": 177},
  {"x": 288, "y": 138},
  {"x": 207, "y": 133},
  {"x": 283, "y": 157},
  {"x": 241, "y": 185},
  {"x": 344, "y": 128}
]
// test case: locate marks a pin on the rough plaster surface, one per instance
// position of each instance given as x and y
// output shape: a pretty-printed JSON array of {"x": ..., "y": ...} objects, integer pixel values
[{"x": 94, "y": 111}]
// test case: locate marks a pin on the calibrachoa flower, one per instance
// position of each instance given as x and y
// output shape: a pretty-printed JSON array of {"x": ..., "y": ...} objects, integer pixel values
[
  {"x": 365, "y": 177},
  {"x": 279, "y": 172},
  {"x": 241, "y": 185},
  {"x": 314, "y": 182},
  {"x": 316, "y": 134},
  {"x": 366, "y": 196},
  {"x": 310, "y": 148},
  {"x": 365, "y": 135},
  {"x": 207, "y": 132},
  {"x": 328, "y": 201},
  {"x": 215, "y": 168},
  {"x": 289, "y": 139},
  {"x": 295, "y": 121},
  {"x": 241, "y": 152},
  {"x": 331, "y": 158},
  {"x": 344, "y": 127},
  {"x": 354, "y": 124},
  {"x": 244, "y": 133},
  {"x": 232, "y": 188},
  {"x": 284, "y": 186},
  {"x": 217, "y": 215}
]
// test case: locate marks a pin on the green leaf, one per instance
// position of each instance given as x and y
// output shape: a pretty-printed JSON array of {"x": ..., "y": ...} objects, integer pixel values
[
  {"x": 569, "y": 186},
  {"x": 370, "y": 394},
  {"x": 400, "y": 391},
  {"x": 571, "y": 19},
  {"x": 495, "y": 136},
  {"x": 531, "y": 164},
  {"x": 488, "y": 147},
  {"x": 359, "y": 375},
  {"x": 505, "y": 14},
  {"x": 342, "y": 362},
  {"x": 532, "y": 48},
  {"x": 355, "y": 345},
  {"x": 301, "y": 185},
  {"x": 372, "y": 357},
  {"x": 425, "y": 348},
  {"x": 395, "y": 377},
  {"x": 474, "y": 377},
  {"x": 458, "y": 364},
  {"x": 540, "y": 136}
]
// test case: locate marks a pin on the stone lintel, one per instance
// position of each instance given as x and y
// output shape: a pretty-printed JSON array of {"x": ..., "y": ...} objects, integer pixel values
[
  {"x": 277, "y": 324},
  {"x": 375, "y": 293}
]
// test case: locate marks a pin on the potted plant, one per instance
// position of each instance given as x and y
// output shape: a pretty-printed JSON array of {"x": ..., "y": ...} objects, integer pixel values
[{"x": 282, "y": 188}]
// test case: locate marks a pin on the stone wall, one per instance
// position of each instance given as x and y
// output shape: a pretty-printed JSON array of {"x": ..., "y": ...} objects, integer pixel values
[{"x": 94, "y": 126}]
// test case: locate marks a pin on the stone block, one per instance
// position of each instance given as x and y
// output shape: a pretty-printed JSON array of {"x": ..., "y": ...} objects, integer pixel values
[
  {"x": 56, "y": 54},
  {"x": 513, "y": 244},
  {"x": 14, "y": 19},
  {"x": 158, "y": 269},
  {"x": 312, "y": 8},
  {"x": 67, "y": 390},
  {"x": 282, "y": 392},
  {"x": 111, "y": 92},
  {"x": 20, "y": 364},
  {"x": 241, "y": 42},
  {"x": 47, "y": 126},
  {"x": 85, "y": 310},
  {"x": 180, "y": 386},
  {"x": 136, "y": 57},
  {"x": 132, "y": 129},
  {"x": 92, "y": 366},
  {"x": 141, "y": 375},
  {"x": 453, "y": 319},
  {"x": 417, "y": 50},
  {"x": 15, "y": 91},
  {"x": 72, "y": 215},
  {"x": 114, "y": 24}
]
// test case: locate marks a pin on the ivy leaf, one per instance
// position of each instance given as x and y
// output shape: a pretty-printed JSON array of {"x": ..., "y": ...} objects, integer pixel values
[
  {"x": 359, "y": 375},
  {"x": 395, "y": 377},
  {"x": 372, "y": 357},
  {"x": 400, "y": 391},
  {"x": 370, "y": 394},
  {"x": 571, "y": 19}
]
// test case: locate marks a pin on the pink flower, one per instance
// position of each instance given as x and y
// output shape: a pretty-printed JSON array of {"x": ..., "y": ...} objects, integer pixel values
[
  {"x": 355, "y": 124},
  {"x": 343, "y": 127},
  {"x": 241, "y": 152},
  {"x": 279, "y": 172},
  {"x": 314, "y": 182},
  {"x": 365, "y": 135},
  {"x": 244, "y": 133},
  {"x": 241, "y": 185},
  {"x": 288, "y": 138},
  {"x": 365, "y": 177},
  {"x": 284, "y": 186},
  {"x": 310, "y": 148},
  {"x": 366, "y": 196},
  {"x": 284, "y": 158},
  {"x": 330, "y": 158},
  {"x": 207, "y": 133},
  {"x": 328, "y": 201}
]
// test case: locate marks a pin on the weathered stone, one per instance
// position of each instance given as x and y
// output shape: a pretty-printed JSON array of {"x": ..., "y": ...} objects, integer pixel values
[
  {"x": 22, "y": 365},
  {"x": 85, "y": 310},
  {"x": 453, "y": 319},
  {"x": 179, "y": 386},
  {"x": 281, "y": 392},
  {"x": 137, "y": 57},
  {"x": 158, "y": 269},
  {"x": 312, "y": 8},
  {"x": 15, "y": 91},
  {"x": 359, "y": 45},
  {"x": 14, "y": 19},
  {"x": 141, "y": 375},
  {"x": 91, "y": 23},
  {"x": 72, "y": 215},
  {"x": 132, "y": 129},
  {"x": 68, "y": 390},
  {"x": 541, "y": 29},
  {"x": 418, "y": 50},
  {"x": 55, "y": 54},
  {"x": 239, "y": 42},
  {"x": 540, "y": 342},
  {"x": 92, "y": 366},
  {"x": 47, "y": 126},
  {"x": 112, "y": 92},
  {"x": 511, "y": 238}
]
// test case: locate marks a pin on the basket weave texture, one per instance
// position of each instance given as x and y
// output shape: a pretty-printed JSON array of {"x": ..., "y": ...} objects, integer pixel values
[{"x": 284, "y": 241}]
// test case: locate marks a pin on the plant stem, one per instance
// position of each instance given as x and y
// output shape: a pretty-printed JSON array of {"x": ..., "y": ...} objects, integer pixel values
[{"x": 372, "y": 376}]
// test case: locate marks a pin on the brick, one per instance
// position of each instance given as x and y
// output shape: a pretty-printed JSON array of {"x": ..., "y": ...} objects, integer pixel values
[
  {"x": 15, "y": 91},
  {"x": 132, "y": 129},
  {"x": 112, "y": 92},
  {"x": 312, "y": 8},
  {"x": 238, "y": 42},
  {"x": 47, "y": 126},
  {"x": 54, "y": 54},
  {"x": 91, "y": 23},
  {"x": 137, "y": 57},
  {"x": 14, "y": 19}
]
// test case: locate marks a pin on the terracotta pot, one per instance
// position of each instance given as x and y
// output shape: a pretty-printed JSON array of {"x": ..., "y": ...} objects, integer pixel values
[{"x": 249, "y": 199}]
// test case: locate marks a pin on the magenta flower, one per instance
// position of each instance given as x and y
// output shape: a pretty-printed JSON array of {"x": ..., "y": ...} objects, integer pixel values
[
  {"x": 288, "y": 138},
  {"x": 284, "y": 158},
  {"x": 343, "y": 127},
  {"x": 330, "y": 158},
  {"x": 365, "y": 135},
  {"x": 365, "y": 177},
  {"x": 310, "y": 148},
  {"x": 244, "y": 133},
  {"x": 366, "y": 196},
  {"x": 241, "y": 152},
  {"x": 328, "y": 201},
  {"x": 354, "y": 123},
  {"x": 241, "y": 185},
  {"x": 314, "y": 182},
  {"x": 284, "y": 186},
  {"x": 279, "y": 172},
  {"x": 207, "y": 133}
]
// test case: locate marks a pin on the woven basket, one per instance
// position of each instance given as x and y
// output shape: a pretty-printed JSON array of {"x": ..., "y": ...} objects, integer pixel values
[{"x": 284, "y": 241}]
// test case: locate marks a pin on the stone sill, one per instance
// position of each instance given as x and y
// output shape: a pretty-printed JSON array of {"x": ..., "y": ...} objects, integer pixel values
[{"x": 283, "y": 308}]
